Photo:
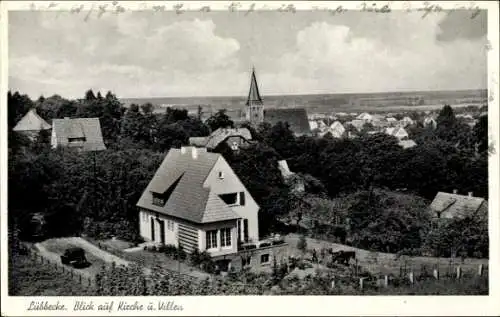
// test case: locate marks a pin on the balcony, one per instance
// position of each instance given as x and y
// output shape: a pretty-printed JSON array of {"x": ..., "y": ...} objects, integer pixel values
[{"x": 264, "y": 243}]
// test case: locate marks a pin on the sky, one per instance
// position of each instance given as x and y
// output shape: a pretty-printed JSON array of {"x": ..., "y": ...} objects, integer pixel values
[{"x": 163, "y": 54}]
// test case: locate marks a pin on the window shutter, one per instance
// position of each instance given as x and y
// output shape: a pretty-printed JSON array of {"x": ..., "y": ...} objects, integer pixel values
[{"x": 242, "y": 198}]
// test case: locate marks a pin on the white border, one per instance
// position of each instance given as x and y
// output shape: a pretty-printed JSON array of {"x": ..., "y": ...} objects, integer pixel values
[{"x": 281, "y": 305}]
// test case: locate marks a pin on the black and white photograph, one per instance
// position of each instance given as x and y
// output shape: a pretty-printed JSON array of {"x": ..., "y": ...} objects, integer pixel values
[{"x": 164, "y": 149}]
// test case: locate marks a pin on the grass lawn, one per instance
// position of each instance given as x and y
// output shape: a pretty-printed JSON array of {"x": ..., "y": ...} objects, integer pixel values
[
  {"x": 148, "y": 259},
  {"x": 386, "y": 263},
  {"x": 28, "y": 277}
]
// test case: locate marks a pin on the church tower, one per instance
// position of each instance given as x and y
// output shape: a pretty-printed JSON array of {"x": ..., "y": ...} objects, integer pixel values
[{"x": 255, "y": 106}]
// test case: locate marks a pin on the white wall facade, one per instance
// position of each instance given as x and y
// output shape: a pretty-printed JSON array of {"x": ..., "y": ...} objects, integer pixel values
[{"x": 230, "y": 183}]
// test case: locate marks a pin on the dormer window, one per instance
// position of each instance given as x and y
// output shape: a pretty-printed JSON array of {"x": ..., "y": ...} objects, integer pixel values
[
  {"x": 221, "y": 175},
  {"x": 158, "y": 200}
]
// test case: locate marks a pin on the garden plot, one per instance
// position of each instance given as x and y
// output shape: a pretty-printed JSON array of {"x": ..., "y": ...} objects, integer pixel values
[{"x": 388, "y": 263}]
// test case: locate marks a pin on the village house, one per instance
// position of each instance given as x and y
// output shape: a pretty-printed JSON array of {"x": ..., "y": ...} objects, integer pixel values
[
  {"x": 31, "y": 124},
  {"x": 365, "y": 116},
  {"x": 406, "y": 121},
  {"x": 196, "y": 201},
  {"x": 313, "y": 125},
  {"x": 357, "y": 124},
  {"x": 336, "y": 129},
  {"x": 83, "y": 134},
  {"x": 430, "y": 122},
  {"x": 453, "y": 205},
  {"x": 235, "y": 138},
  {"x": 398, "y": 132}
]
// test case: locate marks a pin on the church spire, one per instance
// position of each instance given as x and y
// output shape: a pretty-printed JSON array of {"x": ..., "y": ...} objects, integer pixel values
[{"x": 253, "y": 93}]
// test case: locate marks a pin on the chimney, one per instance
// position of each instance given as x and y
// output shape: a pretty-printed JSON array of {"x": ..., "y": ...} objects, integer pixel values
[
  {"x": 455, "y": 191},
  {"x": 194, "y": 152},
  {"x": 471, "y": 194}
]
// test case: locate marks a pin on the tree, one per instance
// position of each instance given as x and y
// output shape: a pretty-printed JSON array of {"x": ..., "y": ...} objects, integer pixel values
[
  {"x": 481, "y": 134},
  {"x": 219, "y": 120}
]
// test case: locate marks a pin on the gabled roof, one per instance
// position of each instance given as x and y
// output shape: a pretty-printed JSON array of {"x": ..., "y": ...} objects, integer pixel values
[
  {"x": 364, "y": 116},
  {"x": 219, "y": 136},
  {"x": 454, "y": 205},
  {"x": 31, "y": 121},
  {"x": 296, "y": 118},
  {"x": 183, "y": 176},
  {"x": 358, "y": 124},
  {"x": 337, "y": 126},
  {"x": 253, "y": 93},
  {"x": 88, "y": 128}
]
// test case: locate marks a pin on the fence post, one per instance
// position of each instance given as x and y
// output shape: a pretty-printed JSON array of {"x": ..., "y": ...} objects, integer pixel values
[
  {"x": 480, "y": 270},
  {"x": 410, "y": 276},
  {"x": 436, "y": 274},
  {"x": 361, "y": 282},
  {"x": 459, "y": 272},
  {"x": 386, "y": 281},
  {"x": 333, "y": 283}
]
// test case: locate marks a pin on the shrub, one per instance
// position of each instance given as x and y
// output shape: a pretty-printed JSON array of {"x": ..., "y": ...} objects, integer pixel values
[{"x": 302, "y": 243}]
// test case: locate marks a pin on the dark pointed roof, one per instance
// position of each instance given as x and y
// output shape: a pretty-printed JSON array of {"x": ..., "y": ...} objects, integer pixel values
[
  {"x": 295, "y": 117},
  {"x": 253, "y": 93}
]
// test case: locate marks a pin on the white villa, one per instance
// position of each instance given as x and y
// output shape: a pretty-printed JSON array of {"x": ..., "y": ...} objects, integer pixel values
[{"x": 196, "y": 201}]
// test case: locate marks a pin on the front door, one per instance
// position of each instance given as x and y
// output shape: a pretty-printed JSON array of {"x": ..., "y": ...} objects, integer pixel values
[{"x": 162, "y": 231}]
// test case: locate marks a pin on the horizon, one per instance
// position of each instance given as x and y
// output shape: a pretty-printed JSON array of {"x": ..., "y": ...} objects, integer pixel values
[{"x": 263, "y": 95}]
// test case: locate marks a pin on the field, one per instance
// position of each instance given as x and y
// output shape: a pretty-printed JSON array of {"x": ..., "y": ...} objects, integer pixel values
[
  {"x": 386, "y": 263},
  {"x": 327, "y": 103}
]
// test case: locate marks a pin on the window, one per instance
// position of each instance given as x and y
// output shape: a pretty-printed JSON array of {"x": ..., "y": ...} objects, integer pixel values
[
  {"x": 170, "y": 225},
  {"x": 158, "y": 200},
  {"x": 225, "y": 237},
  {"x": 264, "y": 258},
  {"x": 212, "y": 239},
  {"x": 242, "y": 198},
  {"x": 229, "y": 199},
  {"x": 221, "y": 175},
  {"x": 80, "y": 139},
  {"x": 245, "y": 260},
  {"x": 245, "y": 229}
]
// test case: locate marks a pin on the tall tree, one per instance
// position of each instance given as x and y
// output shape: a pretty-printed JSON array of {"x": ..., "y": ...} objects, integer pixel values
[{"x": 219, "y": 120}]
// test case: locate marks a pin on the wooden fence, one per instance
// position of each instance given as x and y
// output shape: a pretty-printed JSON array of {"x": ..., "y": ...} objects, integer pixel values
[{"x": 77, "y": 276}]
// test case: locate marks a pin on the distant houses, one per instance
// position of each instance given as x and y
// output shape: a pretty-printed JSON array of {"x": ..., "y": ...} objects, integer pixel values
[
  {"x": 31, "y": 124},
  {"x": 83, "y": 134}
]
